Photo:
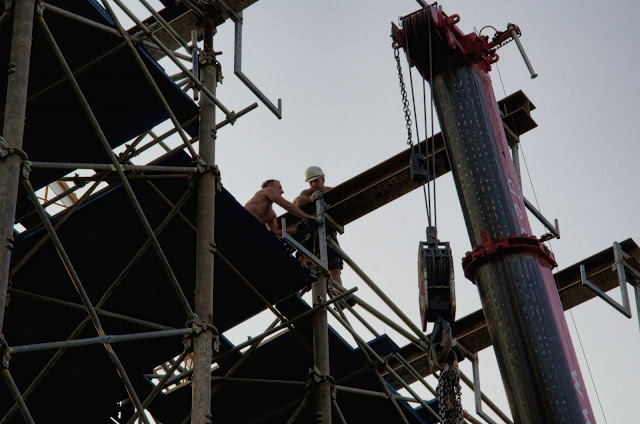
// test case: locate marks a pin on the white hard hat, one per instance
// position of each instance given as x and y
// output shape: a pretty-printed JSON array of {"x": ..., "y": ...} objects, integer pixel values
[{"x": 312, "y": 173}]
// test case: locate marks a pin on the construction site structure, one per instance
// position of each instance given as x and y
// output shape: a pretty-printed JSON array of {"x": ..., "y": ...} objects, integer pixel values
[{"x": 115, "y": 308}]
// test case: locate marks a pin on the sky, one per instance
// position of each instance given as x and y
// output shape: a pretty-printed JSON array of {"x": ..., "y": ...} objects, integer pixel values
[{"x": 332, "y": 64}]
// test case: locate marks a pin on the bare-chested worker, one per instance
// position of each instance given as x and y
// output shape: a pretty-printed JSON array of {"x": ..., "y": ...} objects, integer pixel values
[
  {"x": 261, "y": 206},
  {"x": 315, "y": 177}
]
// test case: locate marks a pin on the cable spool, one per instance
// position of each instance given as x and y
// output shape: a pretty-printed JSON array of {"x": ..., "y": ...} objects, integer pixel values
[{"x": 436, "y": 282}]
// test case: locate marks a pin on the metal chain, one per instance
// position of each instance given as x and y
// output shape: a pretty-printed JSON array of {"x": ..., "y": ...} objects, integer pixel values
[
  {"x": 403, "y": 91},
  {"x": 449, "y": 396}
]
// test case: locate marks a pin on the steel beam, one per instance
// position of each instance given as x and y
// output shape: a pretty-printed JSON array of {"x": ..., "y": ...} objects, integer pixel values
[
  {"x": 391, "y": 179},
  {"x": 472, "y": 332}
]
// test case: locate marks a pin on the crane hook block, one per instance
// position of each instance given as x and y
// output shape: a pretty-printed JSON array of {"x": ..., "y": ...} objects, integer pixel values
[
  {"x": 417, "y": 167},
  {"x": 436, "y": 282}
]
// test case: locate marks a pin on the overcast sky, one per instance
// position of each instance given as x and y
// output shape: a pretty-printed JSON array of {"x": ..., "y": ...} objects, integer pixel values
[{"x": 332, "y": 65}]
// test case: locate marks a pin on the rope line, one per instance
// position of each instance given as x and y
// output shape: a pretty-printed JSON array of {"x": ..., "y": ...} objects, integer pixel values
[{"x": 588, "y": 368}]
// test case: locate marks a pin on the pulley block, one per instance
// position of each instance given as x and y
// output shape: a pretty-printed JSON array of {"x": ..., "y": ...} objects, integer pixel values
[{"x": 436, "y": 282}]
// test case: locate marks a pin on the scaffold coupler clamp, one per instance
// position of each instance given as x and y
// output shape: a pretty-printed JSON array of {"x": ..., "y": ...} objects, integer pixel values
[
  {"x": 316, "y": 378},
  {"x": 199, "y": 327},
  {"x": 436, "y": 283},
  {"x": 209, "y": 58},
  {"x": 4, "y": 350},
  {"x": 6, "y": 150},
  {"x": 26, "y": 170},
  {"x": 502, "y": 246},
  {"x": 203, "y": 167}
]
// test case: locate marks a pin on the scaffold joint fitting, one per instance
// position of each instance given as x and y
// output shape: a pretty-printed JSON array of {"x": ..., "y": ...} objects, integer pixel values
[
  {"x": 199, "y": 327},
  {"x": 5, "y": 150},
  {"x": 316, "y": 377},
  {"x": 26, "y": 169},
  {"x": 4, "y": 350}
]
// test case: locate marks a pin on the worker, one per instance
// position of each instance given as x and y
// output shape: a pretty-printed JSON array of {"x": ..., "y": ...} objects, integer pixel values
[
  {"x": 261, "y": 206},
  {"x": 315, "y": 177}
]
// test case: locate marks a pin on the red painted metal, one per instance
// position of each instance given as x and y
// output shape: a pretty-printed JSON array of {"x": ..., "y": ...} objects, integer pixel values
[
  {"x": 505, "y": 246},
  {"x": 457, "y": 66},
  {"x": 471, "y": 49}
]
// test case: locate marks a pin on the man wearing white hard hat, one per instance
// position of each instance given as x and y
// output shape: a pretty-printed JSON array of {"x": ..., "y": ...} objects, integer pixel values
[
  {"x": 315, "y": 177},
  {"x": 261, "y": 206}
]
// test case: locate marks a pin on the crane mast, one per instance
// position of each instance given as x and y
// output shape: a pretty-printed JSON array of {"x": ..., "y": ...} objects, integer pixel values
[{"x": 510, "y": 266}]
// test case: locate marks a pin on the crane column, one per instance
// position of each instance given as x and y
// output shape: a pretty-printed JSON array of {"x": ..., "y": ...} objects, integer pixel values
[{"x": 511, "y": 267}]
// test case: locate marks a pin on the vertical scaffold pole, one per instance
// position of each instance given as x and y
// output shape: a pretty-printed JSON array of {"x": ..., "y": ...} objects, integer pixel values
[
  {"x": 203, "y": 342},
  {"x": 13, "y": 132},
  {"x": 322, "y": 396}
]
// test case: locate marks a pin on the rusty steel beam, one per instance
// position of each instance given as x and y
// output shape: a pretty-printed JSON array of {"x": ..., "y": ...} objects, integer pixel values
[
  {"x": 471, "y": 330},
  {"x": 391, "y": 178}
]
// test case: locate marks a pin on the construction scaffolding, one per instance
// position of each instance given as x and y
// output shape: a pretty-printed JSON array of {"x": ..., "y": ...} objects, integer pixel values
[{"x": 114, "y": 309}]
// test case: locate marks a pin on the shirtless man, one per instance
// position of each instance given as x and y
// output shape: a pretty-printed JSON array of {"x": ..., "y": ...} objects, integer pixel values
[
  {"x": 261, "y": 206},
  {"x": 315, "y": 177}
]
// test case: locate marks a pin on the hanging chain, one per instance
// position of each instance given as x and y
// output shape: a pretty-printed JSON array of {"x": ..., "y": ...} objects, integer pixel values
[
  {"x": 403, "y": 91},
  {"x": 448, "y": 392}
]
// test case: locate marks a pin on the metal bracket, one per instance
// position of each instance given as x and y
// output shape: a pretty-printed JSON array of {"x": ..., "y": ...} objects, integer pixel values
[
  {"x": 4, "y": 350},
  {"x": 237, "y": 64},
  {"x": 477, "y": 393},
  {"x": 26, "y": 169},
  {"x": 199, "y": 327},
  {"x": 621, "y": 267},
  {"x": 514, "y": 34},
  {"x": 4, "y": 149},
  {"x": 553, "y": 229}
]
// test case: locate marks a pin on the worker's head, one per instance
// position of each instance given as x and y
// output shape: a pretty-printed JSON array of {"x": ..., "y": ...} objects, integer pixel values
[
  {"x": 315, "y": 177},
  {"x": 274, "y": 184}
]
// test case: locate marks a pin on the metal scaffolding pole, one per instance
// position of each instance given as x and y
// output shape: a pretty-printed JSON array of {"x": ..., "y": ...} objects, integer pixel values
[
  {"x": 13, "y": 131},
  {"x": 203, "y": 342},
  {"x": 258, "y": 339},
  {"x": 103, "y": 299},
  {"x": 322, "y": 389},
  {"x": 127, "y": 187}
]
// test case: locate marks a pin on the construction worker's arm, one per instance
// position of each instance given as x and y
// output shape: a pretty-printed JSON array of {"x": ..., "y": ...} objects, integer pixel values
[
  {"x": 308, "y": 197},
  {"x": 275, "y": 227},
  {"x": 303, "y": 198},
  {"x": 285, "y": 204}
]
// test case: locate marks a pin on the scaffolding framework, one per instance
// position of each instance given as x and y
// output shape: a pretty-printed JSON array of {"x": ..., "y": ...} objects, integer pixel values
[{"x": 123, "y": 281}]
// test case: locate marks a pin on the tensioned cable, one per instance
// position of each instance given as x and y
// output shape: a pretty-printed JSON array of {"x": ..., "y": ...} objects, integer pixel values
[
  {"x": 430, "y": 167},
  {"x": 593, "y": 383},
  {"x": 426, "y": 138},
  {"x": 427, "y": 204},
  {"x": 426, "y": 192},
  {"x": 433, "y": 142},
  {"x": 513, "y": 124}
]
